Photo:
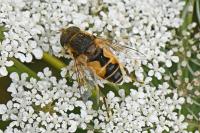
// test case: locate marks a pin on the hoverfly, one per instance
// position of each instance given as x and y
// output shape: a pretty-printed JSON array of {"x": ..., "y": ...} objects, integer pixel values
[{"x": 93, "y": 53}]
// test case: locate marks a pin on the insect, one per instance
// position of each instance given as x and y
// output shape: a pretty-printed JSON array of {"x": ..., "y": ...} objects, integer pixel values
[{"x": 93, "y": 53}]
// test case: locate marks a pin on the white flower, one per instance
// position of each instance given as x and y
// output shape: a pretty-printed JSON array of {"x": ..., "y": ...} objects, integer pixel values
[
  {"x": 48, "y": 102},
  {"x": 46, "y": 74},
  {"x": 4, "y": 63},
  {"x": 7, "y": 110},
  {"x": 145, "y": 108},
  {"x": 170, "y": 58},
  {"x": 156, "y": 70}
]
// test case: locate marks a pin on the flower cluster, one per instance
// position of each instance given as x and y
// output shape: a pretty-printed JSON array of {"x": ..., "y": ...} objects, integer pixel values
[
  {"x": 186, "y": 76},
  {"x": 50, "y": 105},
  {"x": 144, "y": 109},
  {"x": 45, "y": 105},
  {"x": 33, "y": 27}
]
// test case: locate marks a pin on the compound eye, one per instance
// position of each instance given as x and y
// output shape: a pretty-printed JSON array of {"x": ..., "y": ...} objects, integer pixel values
[
  {"x": 63, "y": 39},
  {"x": 67, "y": 34}
]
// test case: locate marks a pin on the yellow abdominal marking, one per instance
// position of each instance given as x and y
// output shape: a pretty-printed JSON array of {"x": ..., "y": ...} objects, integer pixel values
[{"x": 99, "y": 70}]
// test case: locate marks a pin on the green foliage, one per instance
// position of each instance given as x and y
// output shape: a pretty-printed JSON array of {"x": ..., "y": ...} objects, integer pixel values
[
  {"x": 194, "y": 108},
  {"x": 2, "y": 29}
]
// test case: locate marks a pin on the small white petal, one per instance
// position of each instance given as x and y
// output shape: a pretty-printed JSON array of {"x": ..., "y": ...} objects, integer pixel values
[
  {"x": 13, "y": 117},
  {"x": 32, "y": 44},
  {"x": 175, "y": 59},
  {"x": 3, "y": 71},
  {"x": 3, "y": 109},
  {"x": 38, "y": 53},
  {"x": 8, "y": 48},
  {"x": 10, "y": 104},
  {"x": 57, "y": 49},
  {"x": 158, "y": 75},
  {"x": 9, "y": 63},
  {"x": 151, "y": 73},
  {"x": 181, "y": 100},
  {"x": 12, "y": 90},
  {"x": 153, "y": 117},
  {"x": 29, "y": 57},
  {"x": 121, "y": 92},
  {"x": 14, "y": 76},
  {"x": 73, "y": 126},
  {"x": 21, "y": 57},
  {"x": 110, "y": 95},
  {"x": 168, "y": 63},
  {"x": 5, "y": 117}
]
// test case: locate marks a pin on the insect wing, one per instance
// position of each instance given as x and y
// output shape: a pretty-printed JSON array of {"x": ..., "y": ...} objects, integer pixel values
[
  {"x": 120, "y": 48},
  {"x": 87, "y": 87}
]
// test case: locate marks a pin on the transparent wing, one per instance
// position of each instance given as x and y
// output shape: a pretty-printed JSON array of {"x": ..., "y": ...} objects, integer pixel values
[
  {"x": 118, "y": 47},
  {"x": 87, "y": 83},
  {"x": 89, "y": 88}
]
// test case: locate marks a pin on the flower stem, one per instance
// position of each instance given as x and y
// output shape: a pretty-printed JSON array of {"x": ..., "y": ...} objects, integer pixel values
[
  {"x": 21, "y": 67},
  {"x": 13, "y": 69},
  {"x": 195, "y": 62},
  {"x": 187, "y": 14},
  {"x": 55, "y": 62},
  {"x": 95, "y": 97},
  {"x": 192, "y": 113}
]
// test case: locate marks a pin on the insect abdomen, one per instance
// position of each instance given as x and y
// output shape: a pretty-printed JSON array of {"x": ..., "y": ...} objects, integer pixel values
[
  {"x": 113, "y": 73},
  {"x": 106, "y": 67}
]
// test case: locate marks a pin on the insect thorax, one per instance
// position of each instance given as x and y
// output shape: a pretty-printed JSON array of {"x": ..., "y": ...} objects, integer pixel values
[
  {"x": 67, "y": 34},
  {"x": 81, "y": 42}
]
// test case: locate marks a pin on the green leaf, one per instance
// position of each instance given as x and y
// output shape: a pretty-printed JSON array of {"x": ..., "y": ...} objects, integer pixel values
[
  {"x": 198, "y": 10},
  {"x": 187, "y": 15},
  {"x": 4, "y": 124},
  {"x": 4, "y": 84}
]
